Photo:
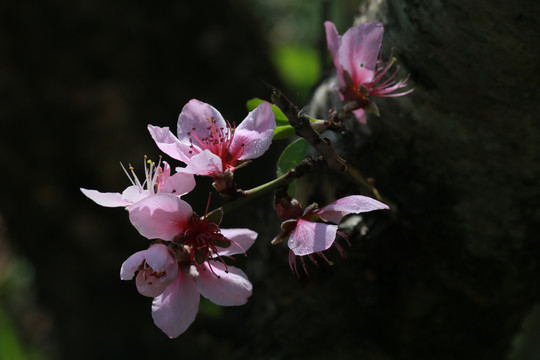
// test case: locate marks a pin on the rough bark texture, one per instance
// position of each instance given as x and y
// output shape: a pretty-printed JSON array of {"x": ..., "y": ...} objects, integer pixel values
[{"x": 455, "y": 273}]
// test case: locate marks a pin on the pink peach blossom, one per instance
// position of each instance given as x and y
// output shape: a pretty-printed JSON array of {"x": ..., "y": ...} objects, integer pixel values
[
  {"x": 359, "y": 67},
  {"x": 156, "y": 266},
  {"x": 309, "y": 236},
  {"x": 157, "y": 180},
  {"x": 198, "y": 247},
  {"x": 209, "y": 145}
]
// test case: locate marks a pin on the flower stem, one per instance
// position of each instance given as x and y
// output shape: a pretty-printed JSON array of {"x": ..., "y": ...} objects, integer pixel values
[
  {"x": 304, "y": 167},
  {"x": 251, "y": 194}
]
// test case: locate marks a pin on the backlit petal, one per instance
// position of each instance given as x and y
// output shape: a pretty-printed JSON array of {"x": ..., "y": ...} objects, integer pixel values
[
  {"x": 161, "y": 216},
  {"x": 311, "y": 237},
  {"x": 176, "y": 308},
  {"x": 359, "y": 50},
  {"x": 334, "y": 41},
  {"x": 131, "y": 265},
  {"x": 254, "y": 135},
  {"x": 241, "y": 241},
  {"x": 169, "y": 144},
  {"x": 353, "y": 204},
  {"x": 196, "y": 117},
  {"x": 106, "y": 199},
  {"x": 205, "y": 163},
  {"x": 180, "y": 183},
  {"x": 134, "y": 193},
  {"x": 230, "y": 289}
]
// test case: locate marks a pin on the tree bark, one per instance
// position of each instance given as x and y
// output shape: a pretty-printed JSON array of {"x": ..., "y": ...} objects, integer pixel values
[{"x": 455, "y": 273}]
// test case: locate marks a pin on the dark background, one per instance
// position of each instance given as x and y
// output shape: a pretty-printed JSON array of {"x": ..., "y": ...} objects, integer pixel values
[
  {"x": 452, "y": 275},
  {"x": 79, "y": 82}
]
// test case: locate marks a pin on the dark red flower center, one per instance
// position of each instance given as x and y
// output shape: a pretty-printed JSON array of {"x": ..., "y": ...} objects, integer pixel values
[
  {"x": 201, "y": 240},
  {"x": 219, "y": 141}
]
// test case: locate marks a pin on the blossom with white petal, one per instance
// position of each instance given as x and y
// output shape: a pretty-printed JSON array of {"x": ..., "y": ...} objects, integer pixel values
[{"x": 157, "y": 180}]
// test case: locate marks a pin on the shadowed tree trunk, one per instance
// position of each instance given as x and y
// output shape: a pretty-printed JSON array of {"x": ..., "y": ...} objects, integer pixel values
[{"x": 456, "y": 272}]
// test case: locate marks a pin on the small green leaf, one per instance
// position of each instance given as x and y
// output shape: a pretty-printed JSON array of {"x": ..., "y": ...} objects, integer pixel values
[
  {"x": 292, "y": 155},
  {"x": 283, "y": 132},
  {"x": 281, "y": 119}
]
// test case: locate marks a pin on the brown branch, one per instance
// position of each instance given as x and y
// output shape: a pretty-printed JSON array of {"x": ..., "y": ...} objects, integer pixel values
[{"x": 302, "y": 127}]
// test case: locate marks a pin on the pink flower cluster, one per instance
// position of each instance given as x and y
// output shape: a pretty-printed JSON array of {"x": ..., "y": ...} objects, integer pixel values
[{"x": 186, "y": 257}]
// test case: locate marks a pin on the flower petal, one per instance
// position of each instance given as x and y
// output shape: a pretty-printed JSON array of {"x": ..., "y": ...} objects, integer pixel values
[
  {"x": 106, "y": 199},
  {"x": 195, "y": 118},
  {"x": 254, "y": 135},
  {"x": 131, "y": 265},
  {"x": 311, "y": 237},
  {"x": 241, "y": 240},
  {"x": 148, "y": 285},
  {"x": 169, "y": 144},
  {"x": 161, "y": 216},
  {"x": 205, "y": 163},
  {"x": 359, "y": 50},
  {"x": 159, "y": 258},
  {"x": 334, "y": 41},
  {"x": 230, "y": 289},
  {"x": 180, "y": 183},
  {"x": 176, "y": 308},
  {"x": 353, "y": 204},
  {"x": 161, "y": 270},
  {"x": 134, "y": 193},
  {"x": 360, "y": 115}
]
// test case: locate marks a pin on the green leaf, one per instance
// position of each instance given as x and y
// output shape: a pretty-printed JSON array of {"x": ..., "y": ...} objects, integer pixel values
[
  {"x": 281, "y": 119},
  {"x": 283, "y": 132},
  {"x": 290, "y": 157}
]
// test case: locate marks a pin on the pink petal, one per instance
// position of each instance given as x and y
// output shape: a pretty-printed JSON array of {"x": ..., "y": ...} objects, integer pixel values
[
  {"x": 353, "y": 204},
  {"x": 359, "y": 50},
  {"x": 195, "y": 118},
  {"x": 205, "y": 163},
  {"x": 161, "y": 216},
  {"x": 134, "y": 193},
  {"x": 254, "y": 135},
  {"x": 230, "y": 289},
  {"x": 334, "y": 41},
  {"x": 159, "y": 258},
  {"x": 163, "y": 176},
  {"x": 311, "y": 237},
  {"x": 169, "y": 144},
  {"x": 176, "y": 308},
  {"x": 163, "y": 269},
  {"x": 180, "y": 183},
  {"x": 241, "y": 239},
  {"x": 360, "y": 115},
  {"x": 106, "y": 199},
  {"x": 131, "y": 265},
  {"x": 149, "y": 285}
]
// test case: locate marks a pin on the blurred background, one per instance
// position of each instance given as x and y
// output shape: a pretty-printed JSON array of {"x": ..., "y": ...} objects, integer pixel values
[
  {"x": 79, "y": 82},
  {"x": 450, "y": 276}
]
